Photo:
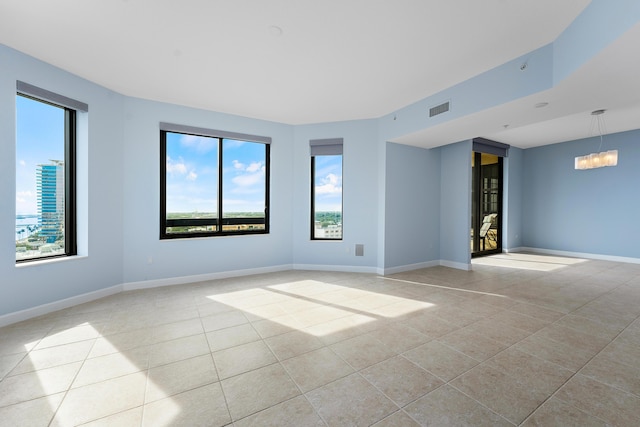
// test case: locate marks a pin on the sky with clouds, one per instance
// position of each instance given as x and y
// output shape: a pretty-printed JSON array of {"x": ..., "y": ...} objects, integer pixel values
[
  {"x": 40, "y": 138},
  {"x": 192, "y": 175},
  {"x": 328, "y": 183}
]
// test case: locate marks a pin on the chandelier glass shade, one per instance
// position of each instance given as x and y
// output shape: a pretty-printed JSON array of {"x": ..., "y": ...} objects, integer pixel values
[{"x": 602, "y": 158}]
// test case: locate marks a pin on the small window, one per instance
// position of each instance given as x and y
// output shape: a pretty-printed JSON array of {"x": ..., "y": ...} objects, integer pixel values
[
  {"x": 326, "y": 189},
  {"x": 213, "y": 183},
  {"x": 45, "y": 174}
]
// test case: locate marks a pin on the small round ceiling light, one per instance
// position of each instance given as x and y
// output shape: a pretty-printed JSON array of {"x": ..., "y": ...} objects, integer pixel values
[{"x": 541, "y": 104}]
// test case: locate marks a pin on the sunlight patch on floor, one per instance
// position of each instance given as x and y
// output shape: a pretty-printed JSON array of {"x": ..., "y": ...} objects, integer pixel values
[
  {"x": 321, "y": 308},
  {"x": 527, "y": 261}
]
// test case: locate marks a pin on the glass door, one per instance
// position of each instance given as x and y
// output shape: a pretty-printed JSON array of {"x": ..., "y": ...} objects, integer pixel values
[{"x": 486, "y": 204}]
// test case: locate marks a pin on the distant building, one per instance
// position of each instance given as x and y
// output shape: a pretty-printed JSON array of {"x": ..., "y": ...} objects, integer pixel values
[{"x": 50, "y": 187}]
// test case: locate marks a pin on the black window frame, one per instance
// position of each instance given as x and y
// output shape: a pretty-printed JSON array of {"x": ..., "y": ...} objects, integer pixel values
[
  {"x": 70, "y": 107},
  {"x": 219, "y": 222},
  {"x": 325, "y": 147}
]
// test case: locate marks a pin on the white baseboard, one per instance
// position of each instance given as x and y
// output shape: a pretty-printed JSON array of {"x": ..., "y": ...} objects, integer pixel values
[
  {"x": 410, "y": 267},
  {"x": 19, "y": 316},
  {"x": 182, "y": 280},
  {"x": 340, "y": 268},
  {"x": 456, "y": 265},
  {"x": 578, "y": 255}
]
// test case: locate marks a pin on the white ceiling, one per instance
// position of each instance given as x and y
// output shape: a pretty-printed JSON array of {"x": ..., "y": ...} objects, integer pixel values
[{"x": 334, "y": 60}]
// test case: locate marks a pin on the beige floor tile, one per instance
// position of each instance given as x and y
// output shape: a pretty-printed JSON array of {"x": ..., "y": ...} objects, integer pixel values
[
  {"x": 362, "y": 351},
  {"x": 131, "y": 417},
  {"x": 167, "y": 380},
  {"x": 429, "y": 324},
  {"x": 614, "y": 406},
  {"x": 441, "y": 360},
  {"x": 498, "y": 331},
  {"x": 67, "y": 336},
  {"x": 519, "y": 321},
  {"x": 231, "y": 337},
  {"x": 473, "y": 344},
  {"x": 243, "y": 358},
  {"x": 529, "y": 370},
  {"x": 292, "y": 344},
  {"x": 576, "y": 340},
  {"x": 351, "y": 401},
  {"x": 291, "y": 413},
  {"x": 400, "y": 380},
  {"x": 317, "y": 368},
  {"x": 622, "y": 351},
  {"x": 179, "y": 329},
  {"x": 499, "y": 392},
  {"x": 223, "y": 320},
  {"x": 203, "y": 406},
  {"x": 257, "y": 390},
  {"x": 178, "y": 349},
  {"x": 262, "y": 312},
  {"x": 397, "y": 419},
  {"x": 399, "y": 337},
  {"x": 276, "y": 326},
  {"x": 320, "y": 314},
  {"x": 555, "y": 352},
  {"x": 446, "y": 406},
  {"x": 537, "y": 312},
  {"x": 32, "y": 385},
  {"x": 341, "y": 329},
  {"x": 611, "y": 371},
  {"x": 102, "y": 399},
  {"x": 123, "y": 341},
  {"x": 589, "y": 326},
  {"x": 32, "y": 413},
  {"x": 9, "y": 362},
  {"x": 111, "y": 366},
  {"x": 557, "y": 413}
]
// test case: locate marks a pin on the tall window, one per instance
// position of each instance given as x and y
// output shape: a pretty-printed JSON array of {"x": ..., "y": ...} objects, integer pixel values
[
  {"x": 326, "y": 189},
  {"x": 45, "y": 173},
  {"x": 213, "y": 183}
]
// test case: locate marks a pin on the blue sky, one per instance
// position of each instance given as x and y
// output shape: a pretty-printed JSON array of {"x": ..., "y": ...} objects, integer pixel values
[
  {"x": 328, "y": 183},
  {"x": 192, "y": 175},
  {"x": 191, "y": 167},
  {"x": 39, "y": 139}
]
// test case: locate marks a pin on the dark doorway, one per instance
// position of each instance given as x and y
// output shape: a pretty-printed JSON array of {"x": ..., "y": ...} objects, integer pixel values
[{"x": 486, "y": 204}]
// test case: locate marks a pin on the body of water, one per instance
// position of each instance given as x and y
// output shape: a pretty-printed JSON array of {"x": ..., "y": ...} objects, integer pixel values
[{"x": 26, "y": 225}]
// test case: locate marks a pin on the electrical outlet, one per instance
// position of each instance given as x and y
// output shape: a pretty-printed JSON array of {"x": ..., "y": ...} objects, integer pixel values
[{"x": 149, "y": 259}]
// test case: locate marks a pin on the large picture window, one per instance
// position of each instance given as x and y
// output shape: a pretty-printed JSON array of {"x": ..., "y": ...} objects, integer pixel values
[
  {"x": 326, "y": 189},
  {"x": 213, "y": 183},
  {"x": 45, "y": 174}
]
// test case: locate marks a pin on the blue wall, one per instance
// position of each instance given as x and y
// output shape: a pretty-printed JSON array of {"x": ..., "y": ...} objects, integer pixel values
[
  {"x": 360, "y": 197},
  {"x": 100, "y": 186},
  {"x": 455, "y": 204},
  {"x": 412, "y": 206},
  {"x": 512, "y": 200},
  {"x": 177, "y": 258},
  {"x": 586, "y": 211}
]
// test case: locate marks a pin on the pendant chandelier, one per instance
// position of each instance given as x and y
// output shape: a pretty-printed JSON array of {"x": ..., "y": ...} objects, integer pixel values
[{"x": 601, "y": 158}]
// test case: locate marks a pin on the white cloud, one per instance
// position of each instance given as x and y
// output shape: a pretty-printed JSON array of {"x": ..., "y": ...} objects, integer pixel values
[
  {"x": 176, "y": 166},
  {"x": 22, "y": 196},
  {"x": 330, "y": 185},
  {"x": 238, "y": 165},
  {"x": 23, "y": 163},
  {"x": 199, "y": 143},
  {"x": 248, "y": 180},
  {"x": 254, "y": 167},
  {"x": 192, "y": 176}
]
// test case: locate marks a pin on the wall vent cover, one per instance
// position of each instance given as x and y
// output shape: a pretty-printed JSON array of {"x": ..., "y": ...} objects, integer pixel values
[{"x": 439, "y": 109}]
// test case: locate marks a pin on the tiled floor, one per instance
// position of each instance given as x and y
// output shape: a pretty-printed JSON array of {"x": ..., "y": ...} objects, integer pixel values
[{"x": 520, "y": 340}]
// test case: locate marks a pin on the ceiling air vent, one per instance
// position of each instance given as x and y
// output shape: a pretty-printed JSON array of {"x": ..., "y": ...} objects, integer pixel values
[{"x": 439, "y": 109}]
